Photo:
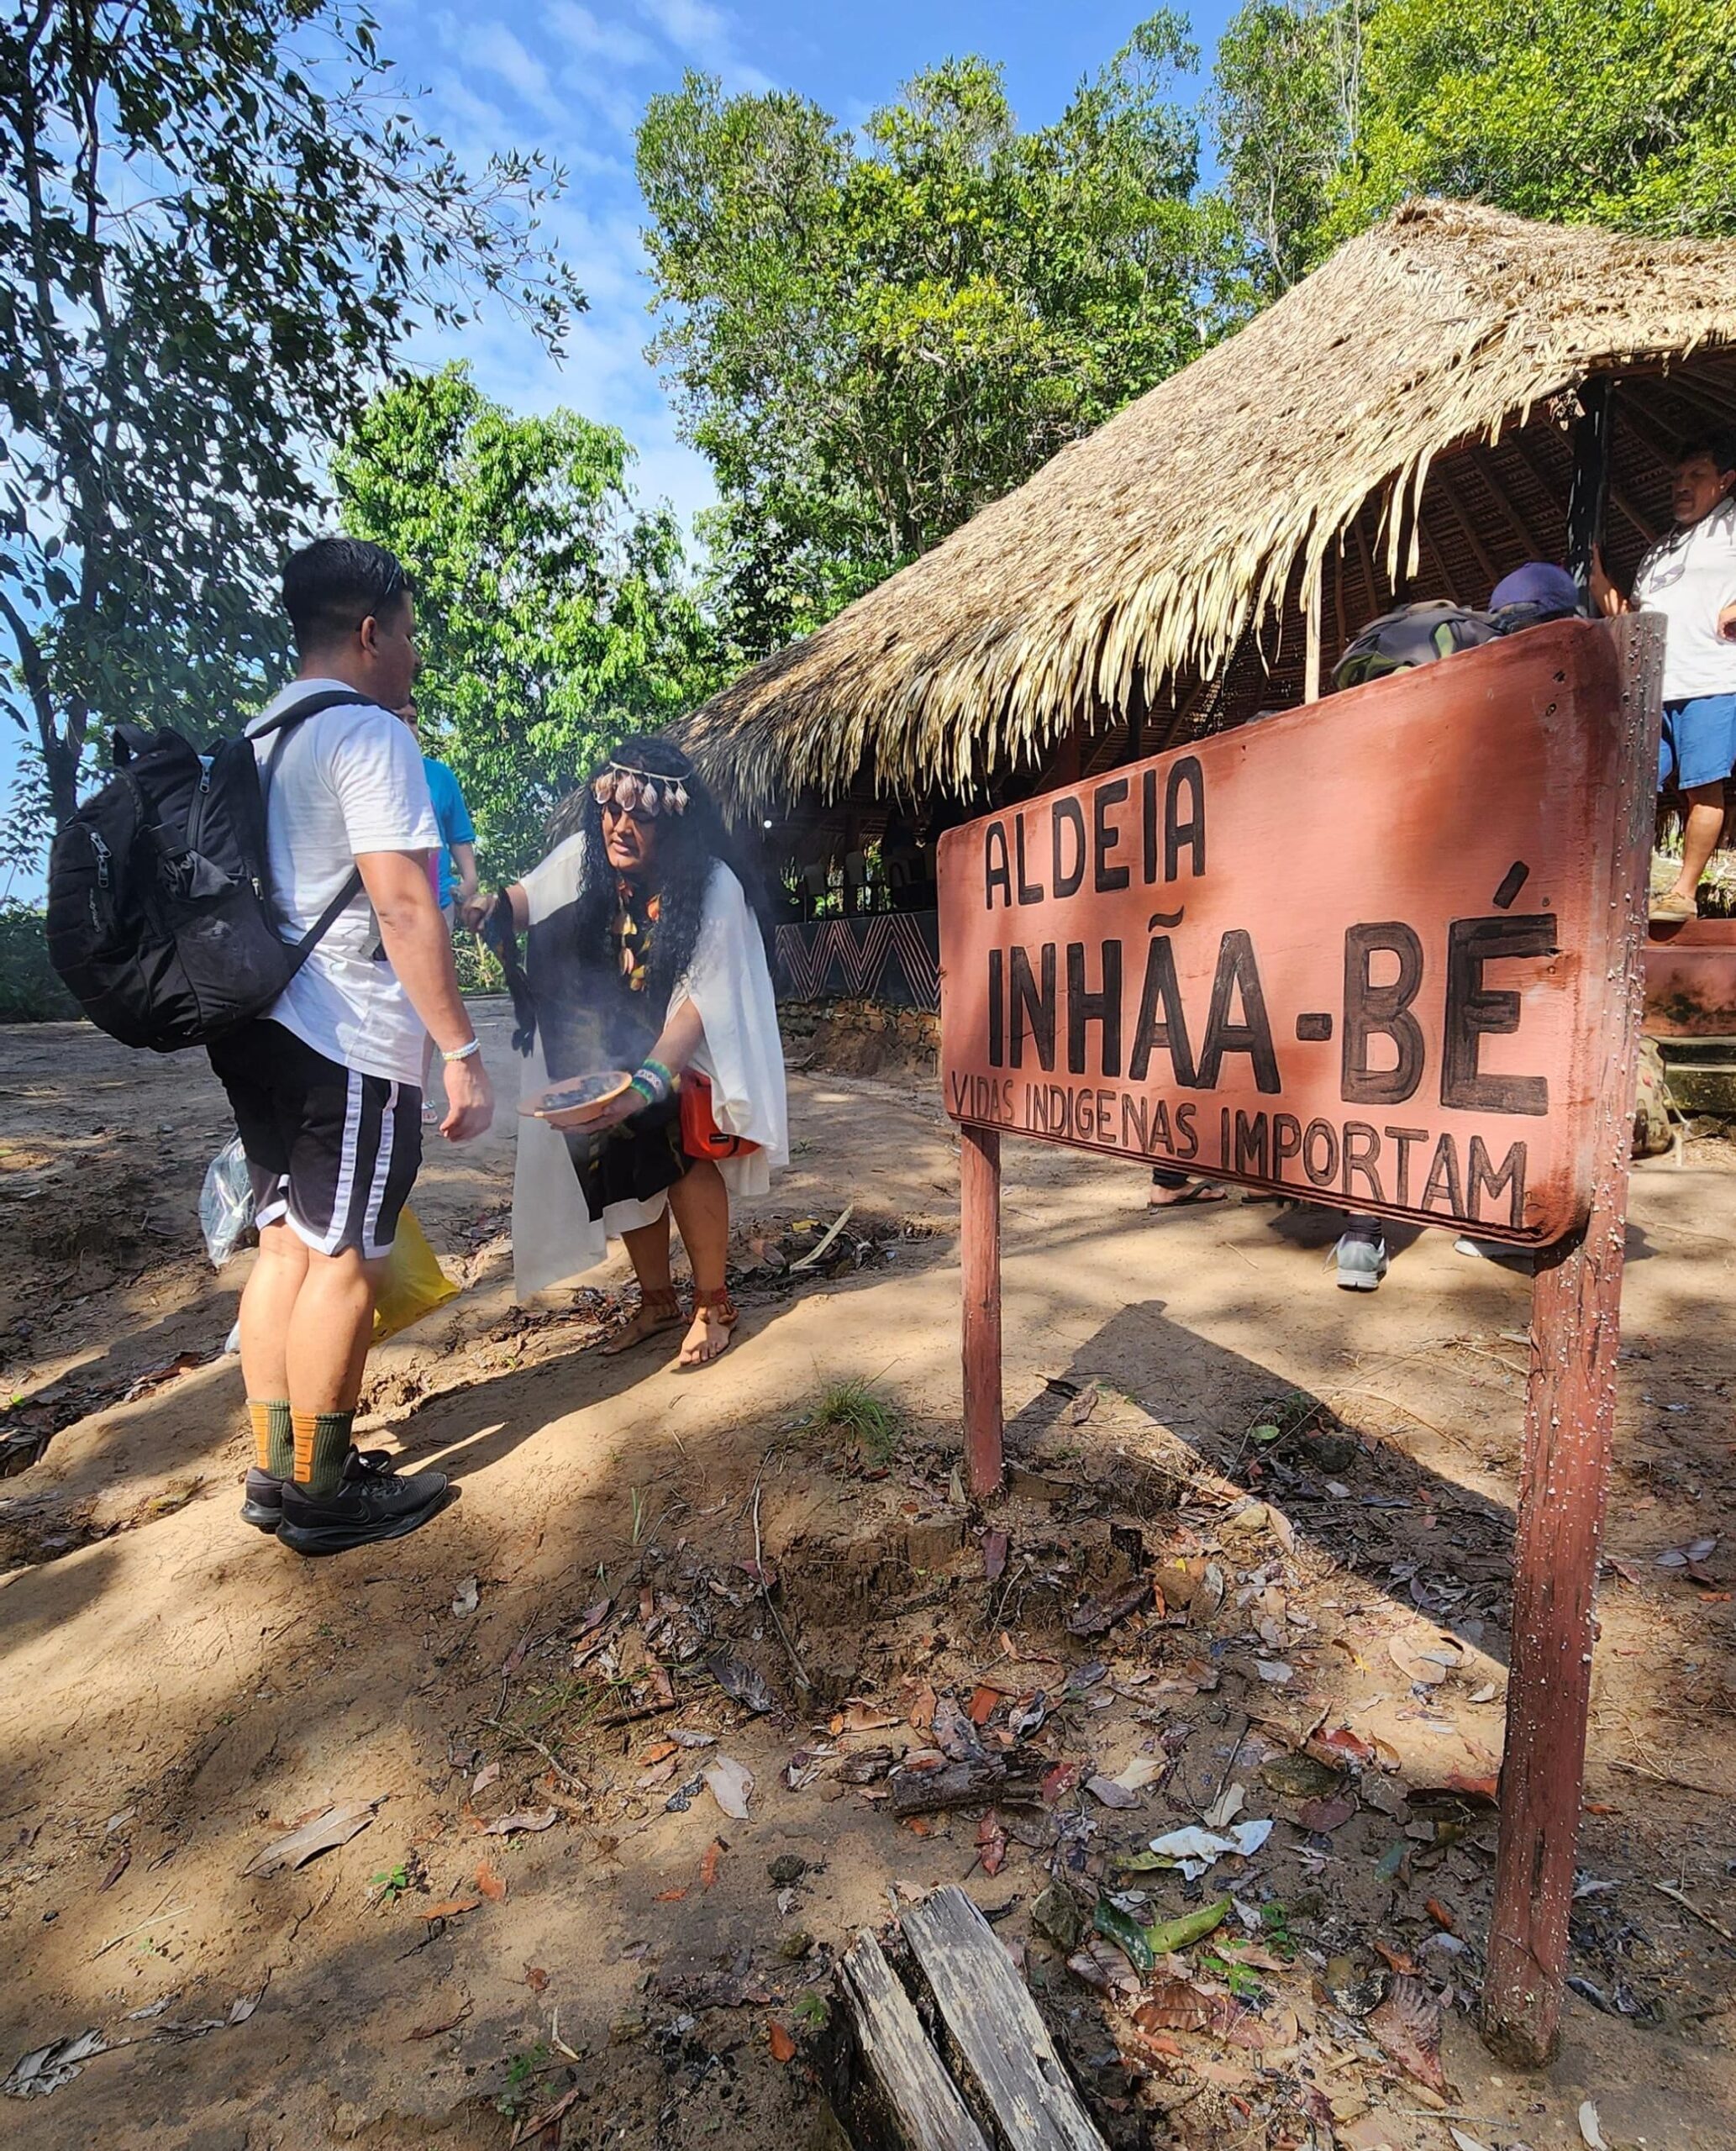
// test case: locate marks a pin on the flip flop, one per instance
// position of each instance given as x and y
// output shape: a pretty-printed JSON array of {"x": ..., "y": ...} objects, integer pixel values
[{"x": 1190, "y": 1198}]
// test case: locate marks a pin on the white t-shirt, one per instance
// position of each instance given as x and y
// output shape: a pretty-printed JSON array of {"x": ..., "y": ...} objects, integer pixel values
[
  {"x": 347, "y": 780},
  {"x": 1690, "y": 577}
]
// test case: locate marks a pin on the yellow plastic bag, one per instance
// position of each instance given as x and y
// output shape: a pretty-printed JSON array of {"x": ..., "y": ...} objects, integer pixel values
[{"x": 414, "y": 1284}]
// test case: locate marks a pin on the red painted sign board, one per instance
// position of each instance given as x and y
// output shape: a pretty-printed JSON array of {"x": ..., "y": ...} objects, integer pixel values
[
  {"x": 1384, "y": 951},
  {"x": 1359, "y": 953}
]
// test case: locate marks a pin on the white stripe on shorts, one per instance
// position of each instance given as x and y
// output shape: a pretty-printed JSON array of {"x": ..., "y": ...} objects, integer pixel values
[
  {"x": 371, "y": 1248},
  {"x": 346, "y": 1165}
]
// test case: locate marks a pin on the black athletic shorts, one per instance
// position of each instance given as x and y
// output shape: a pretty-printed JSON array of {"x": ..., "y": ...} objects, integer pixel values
[{"x": 331, "y": 1152}]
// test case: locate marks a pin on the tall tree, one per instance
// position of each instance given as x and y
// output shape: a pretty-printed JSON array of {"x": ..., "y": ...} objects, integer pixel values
[
  {"x": 553, "y": 611},
  {"x": 1616, "y": 112},
  {"x": 217, "y": 223},
  {"x": 1285, "y": 92},
  {"x": 870, "y": 340}
]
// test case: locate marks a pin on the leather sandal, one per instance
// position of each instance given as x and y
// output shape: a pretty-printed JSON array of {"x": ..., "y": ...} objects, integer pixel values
[
  {"x": 724, "y": 1312},
  {"x": 657, "y": 1312}
]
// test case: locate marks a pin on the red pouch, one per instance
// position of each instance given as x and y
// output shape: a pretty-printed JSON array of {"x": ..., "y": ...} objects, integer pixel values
[{"x": 701, "y": 1135}]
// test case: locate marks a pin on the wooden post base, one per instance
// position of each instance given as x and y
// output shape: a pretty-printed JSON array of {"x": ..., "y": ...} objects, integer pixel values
[{"x": 979, "y": 1261}]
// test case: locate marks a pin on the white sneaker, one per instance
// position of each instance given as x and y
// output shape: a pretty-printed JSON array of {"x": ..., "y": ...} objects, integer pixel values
[{"x": 1361, "y": 1263}]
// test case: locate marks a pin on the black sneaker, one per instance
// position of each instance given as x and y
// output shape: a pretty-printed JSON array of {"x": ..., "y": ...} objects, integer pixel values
[
  {"x": 362, "y": 1511},
  {"x": 262, "y": 1498}
]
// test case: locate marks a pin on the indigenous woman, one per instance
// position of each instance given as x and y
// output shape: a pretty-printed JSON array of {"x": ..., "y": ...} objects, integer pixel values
[{"x": 644, "y": 956}]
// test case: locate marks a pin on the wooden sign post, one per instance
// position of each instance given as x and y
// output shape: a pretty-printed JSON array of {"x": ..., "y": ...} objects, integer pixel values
[{"x": 1381, "y": 952}]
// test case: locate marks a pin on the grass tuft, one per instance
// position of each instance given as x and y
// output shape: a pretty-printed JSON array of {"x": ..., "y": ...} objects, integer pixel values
[{"x": 852, "y": 1411}]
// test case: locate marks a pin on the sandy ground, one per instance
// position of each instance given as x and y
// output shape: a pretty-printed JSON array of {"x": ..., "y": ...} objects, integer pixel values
[{"x": 178, "y": 1692}]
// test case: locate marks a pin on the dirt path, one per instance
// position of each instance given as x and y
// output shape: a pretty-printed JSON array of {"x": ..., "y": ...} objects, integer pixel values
[{"x": 178, "y": 1692}]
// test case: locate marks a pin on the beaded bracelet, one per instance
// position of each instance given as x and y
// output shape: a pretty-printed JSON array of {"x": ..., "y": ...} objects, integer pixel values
[{"x": 653, "y": 1081}]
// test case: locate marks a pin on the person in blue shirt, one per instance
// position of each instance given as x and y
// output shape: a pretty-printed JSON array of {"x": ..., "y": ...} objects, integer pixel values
[{"x": 452, "y": 868}]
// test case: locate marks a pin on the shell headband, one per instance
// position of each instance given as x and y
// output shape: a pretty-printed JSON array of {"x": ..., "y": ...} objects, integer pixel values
[{"x": 639, "y": 791}]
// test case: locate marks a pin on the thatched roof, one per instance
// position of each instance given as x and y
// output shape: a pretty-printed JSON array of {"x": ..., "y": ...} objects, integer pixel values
[{"x": 1158, "y": 571}]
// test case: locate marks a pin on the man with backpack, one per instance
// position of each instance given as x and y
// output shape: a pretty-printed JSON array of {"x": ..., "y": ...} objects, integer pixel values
[{"x": 325, "y": 1084}]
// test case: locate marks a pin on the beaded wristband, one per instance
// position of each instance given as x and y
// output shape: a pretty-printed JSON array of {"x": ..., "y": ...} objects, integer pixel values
[{"x": 653, "y": 1081}]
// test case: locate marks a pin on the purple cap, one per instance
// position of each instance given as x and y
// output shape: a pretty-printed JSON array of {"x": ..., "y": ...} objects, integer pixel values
[{"x": 1538, "y": 582}]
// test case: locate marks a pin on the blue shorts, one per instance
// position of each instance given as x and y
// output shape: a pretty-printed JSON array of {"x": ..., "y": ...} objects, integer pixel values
[{"x": 1698, "y": 741}]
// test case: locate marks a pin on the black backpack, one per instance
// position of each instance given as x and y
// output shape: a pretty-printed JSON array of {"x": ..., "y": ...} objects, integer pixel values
[
  {"x": 1411, "y": 636},
  {"x": 160, "y": 918}
]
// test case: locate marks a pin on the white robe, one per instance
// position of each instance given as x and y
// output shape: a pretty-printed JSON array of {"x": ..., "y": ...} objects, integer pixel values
[{"x": 555, "y": 1237}]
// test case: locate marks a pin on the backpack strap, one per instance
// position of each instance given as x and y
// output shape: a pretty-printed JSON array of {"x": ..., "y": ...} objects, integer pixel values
[{"x": 283, "y": 725}]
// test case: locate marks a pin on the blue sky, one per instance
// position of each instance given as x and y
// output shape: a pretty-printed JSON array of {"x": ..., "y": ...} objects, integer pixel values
[{"x": 571, "y": 77}]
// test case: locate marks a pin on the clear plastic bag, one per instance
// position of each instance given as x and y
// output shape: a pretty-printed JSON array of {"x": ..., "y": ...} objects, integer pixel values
[{"x": 226, "y": 1203}]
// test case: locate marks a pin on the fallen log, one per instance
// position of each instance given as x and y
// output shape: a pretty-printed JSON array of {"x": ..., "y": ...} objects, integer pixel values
[
  {"x": 992, "y": 2024},
  {"x": 920, "y": 2101},
  {"x": 980, "y": 1781}
]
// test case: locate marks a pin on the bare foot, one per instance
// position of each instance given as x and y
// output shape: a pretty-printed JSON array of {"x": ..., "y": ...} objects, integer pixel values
[
  {"x": 658, "y": 1311},
  {"x": 708, "y": 1337}
]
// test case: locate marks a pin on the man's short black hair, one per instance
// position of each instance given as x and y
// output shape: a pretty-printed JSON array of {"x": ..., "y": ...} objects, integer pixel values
[
  {"x": 332, "y": 585},
  {"x": 1718, "y": 446}
]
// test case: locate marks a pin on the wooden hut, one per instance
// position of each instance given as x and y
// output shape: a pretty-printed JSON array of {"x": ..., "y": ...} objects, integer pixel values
[
  {"x": 1402, "y": 423},
  {"x": 1454, "y": 393}
]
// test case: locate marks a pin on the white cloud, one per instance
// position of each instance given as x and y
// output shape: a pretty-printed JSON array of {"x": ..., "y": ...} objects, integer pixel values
[
  {"x": 492, "y": 46},
  {"x": 579, "y": 28},
  {"x": 705, "y": 34}
]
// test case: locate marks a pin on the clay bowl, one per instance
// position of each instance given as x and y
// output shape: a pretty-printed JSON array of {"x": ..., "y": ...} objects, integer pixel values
[{"x": 578, "y": 1100}]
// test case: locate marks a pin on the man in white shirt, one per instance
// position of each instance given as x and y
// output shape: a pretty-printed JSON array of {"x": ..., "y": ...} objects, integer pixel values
[
  {"x": 1690, "y": 577},
  {"x": 325, "y": 1086}
]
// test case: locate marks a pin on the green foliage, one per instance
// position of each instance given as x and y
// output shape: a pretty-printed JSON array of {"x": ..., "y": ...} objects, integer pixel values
[
  {"x": 389, "y": 1884},
  {"x": 1614, "y": 112},
  {"x": 524, "y": 2074},
  {"x": 1330, "y": 112},
  {"x": 1284, "y": 104},
  {"x": 30, "y": 992},
  {"x": 870, "y": 341},
  {"x": 217, "y": 222},
  {"x": 554, "y": 614}
]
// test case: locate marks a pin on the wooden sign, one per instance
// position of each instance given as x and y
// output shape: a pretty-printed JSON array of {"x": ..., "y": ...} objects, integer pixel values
[
  {"x": 1382, "y": 953},
  {"x": 1356, "y": 953}
]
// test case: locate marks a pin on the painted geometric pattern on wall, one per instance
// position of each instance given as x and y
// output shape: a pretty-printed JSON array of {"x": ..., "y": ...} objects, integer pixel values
[{"x": 889, "y": 956}]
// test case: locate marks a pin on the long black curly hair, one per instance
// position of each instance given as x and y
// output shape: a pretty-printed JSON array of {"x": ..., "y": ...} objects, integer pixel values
[{"x": 688, "y": 846}]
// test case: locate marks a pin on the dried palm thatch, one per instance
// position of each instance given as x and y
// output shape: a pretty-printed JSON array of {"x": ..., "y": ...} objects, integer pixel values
[{"x": 1402, "y": 413}]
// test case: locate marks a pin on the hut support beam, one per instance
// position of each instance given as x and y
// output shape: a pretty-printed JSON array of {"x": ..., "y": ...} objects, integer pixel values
[
  {"x": 1588, "y": 496},
  {"x": 1310, "y": 657}
]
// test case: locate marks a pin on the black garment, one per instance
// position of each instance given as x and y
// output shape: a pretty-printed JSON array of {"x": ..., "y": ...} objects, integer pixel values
[
  {"x": 591, "y": 1018},
  {"x": 332, "y": 1152}
]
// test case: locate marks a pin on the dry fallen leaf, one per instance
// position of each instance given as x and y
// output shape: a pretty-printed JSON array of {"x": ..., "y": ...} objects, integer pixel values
[
  {"x": 337, "y": 1826},
  {"x": 783, "y": 2046},
  {"x": 523, "y": 1818},
  {"x": 492, "y": 1885},
  {"x": 450, "y": 1908},
  {"x": 668, "y": 1897},
  {"x": 991, "y": 1843},
  {"x": 536, "y": 1979},
  {"x": 484, "y": 1778},
  {"x": 1590, "y": 2129},
  {"x": 708, "y": 1864},
  {"x": 1110, "y": 1793},
  {"x": 731, "y": 1784},
  {"x": 1408, "y": 2024}
]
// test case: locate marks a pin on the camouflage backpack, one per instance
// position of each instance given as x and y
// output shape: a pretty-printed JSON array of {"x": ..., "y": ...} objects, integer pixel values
[{"x": 1653, "y": 1134}]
